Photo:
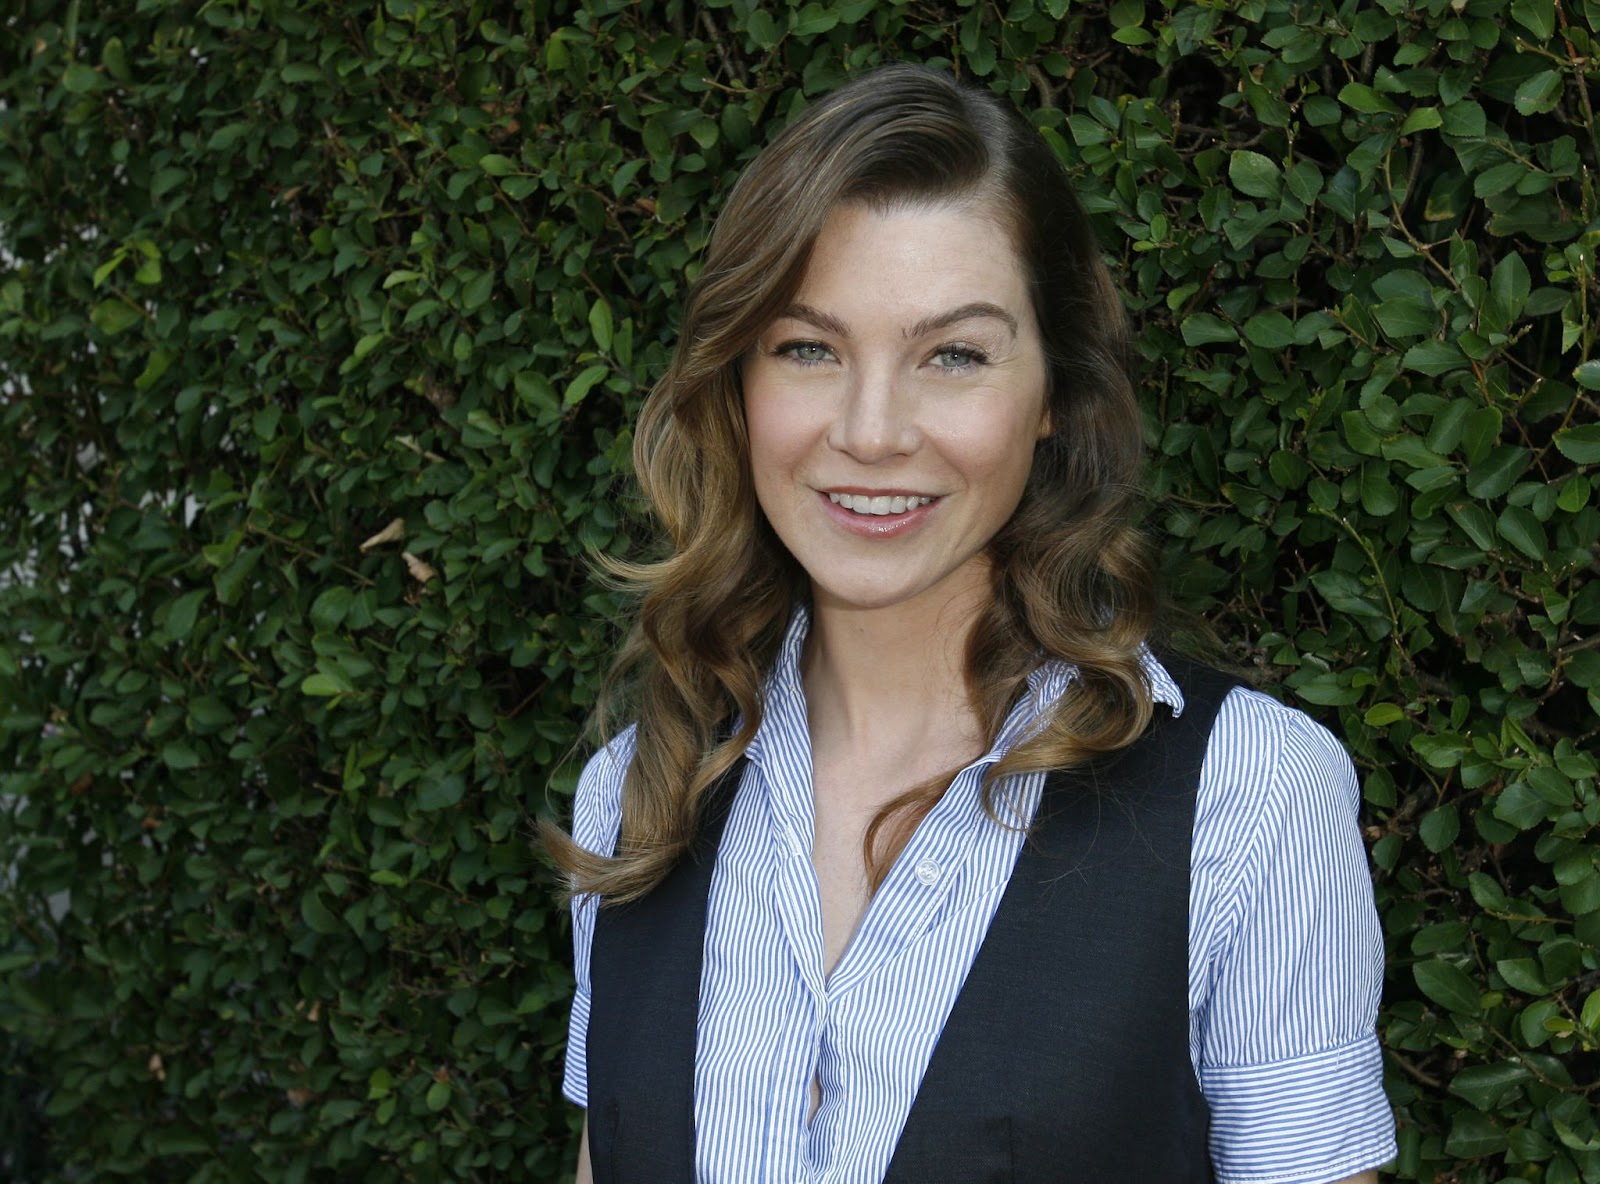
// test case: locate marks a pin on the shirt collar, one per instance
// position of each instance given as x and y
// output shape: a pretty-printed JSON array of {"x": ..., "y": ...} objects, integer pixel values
[{"x": 783, "y": 697}]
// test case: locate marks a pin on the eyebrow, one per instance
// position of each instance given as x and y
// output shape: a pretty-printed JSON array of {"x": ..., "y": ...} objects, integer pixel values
[{"x": 966, "y": 312}]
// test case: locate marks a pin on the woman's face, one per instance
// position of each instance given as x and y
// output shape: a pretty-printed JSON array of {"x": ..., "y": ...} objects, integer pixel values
[{"x": 893, "y": 408}]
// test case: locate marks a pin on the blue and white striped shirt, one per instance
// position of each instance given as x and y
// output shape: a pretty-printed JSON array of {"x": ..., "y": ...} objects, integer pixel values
[{"x": 1285, "y": 954}]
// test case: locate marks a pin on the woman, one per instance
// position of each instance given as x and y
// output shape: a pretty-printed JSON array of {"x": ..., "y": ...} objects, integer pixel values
[{"x": 917, "y": 863}]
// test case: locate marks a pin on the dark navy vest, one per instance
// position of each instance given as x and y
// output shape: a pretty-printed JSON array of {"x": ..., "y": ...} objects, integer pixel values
[{"x": 1066, "y": 1054}]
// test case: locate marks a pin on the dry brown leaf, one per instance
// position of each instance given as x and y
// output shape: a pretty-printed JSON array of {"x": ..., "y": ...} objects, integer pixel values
[
  {"x": 419, "y": 570},
  {"x": 394, "y": 532}
]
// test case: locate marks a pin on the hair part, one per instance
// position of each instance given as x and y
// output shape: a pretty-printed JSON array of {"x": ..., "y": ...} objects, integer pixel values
[{"x": 1072, "y": 577}]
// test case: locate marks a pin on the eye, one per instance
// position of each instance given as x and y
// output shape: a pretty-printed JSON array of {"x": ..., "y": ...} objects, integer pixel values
[
  {"x": 806, "y": 353},
  {"x": 959, "y": 357}
]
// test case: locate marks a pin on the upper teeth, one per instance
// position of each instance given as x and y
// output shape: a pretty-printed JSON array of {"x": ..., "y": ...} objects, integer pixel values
[{"x": 863, "y": 503}]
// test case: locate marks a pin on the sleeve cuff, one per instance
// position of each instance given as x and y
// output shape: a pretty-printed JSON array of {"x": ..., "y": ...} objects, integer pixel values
[{"x": 1307, "y": 1120}]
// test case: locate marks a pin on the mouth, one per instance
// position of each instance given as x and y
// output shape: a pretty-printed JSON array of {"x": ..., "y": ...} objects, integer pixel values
[{"x": 878, "y": 505}]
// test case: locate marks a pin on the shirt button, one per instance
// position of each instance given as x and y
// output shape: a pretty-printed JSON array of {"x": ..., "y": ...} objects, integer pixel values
[{"x": 928, "y": 871}]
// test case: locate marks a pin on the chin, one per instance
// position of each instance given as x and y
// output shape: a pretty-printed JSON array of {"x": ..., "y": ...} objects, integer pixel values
[
  {"x": 877, "y": 597},
  {"x": 860, "y": 599}
]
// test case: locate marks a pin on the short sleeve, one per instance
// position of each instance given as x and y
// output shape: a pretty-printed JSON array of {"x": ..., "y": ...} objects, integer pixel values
[
  {"x": 596, "y": 818},
  {"x": 1292, "y": 954}
]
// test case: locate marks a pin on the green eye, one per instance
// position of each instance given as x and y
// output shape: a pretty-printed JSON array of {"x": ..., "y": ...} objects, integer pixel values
[
  {"x": 959, "y": 357},
  {"x": 807, "y": 353}
]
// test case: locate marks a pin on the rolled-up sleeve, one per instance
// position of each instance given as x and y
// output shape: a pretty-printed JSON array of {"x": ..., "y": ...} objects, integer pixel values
[
  {"x": 596, "y": 817},
  {"x": 1288, "y": 1054}
]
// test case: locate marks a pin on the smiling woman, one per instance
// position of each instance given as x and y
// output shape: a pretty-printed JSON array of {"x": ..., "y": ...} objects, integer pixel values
[{"x": 917, "y": 863}]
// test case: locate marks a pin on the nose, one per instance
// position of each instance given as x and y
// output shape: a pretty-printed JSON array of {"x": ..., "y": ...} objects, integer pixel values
[{"x": 875, "y": 420}]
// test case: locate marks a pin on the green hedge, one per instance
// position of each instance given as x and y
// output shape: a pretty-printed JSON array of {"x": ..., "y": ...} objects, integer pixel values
[{"x": 321, "y": 324}]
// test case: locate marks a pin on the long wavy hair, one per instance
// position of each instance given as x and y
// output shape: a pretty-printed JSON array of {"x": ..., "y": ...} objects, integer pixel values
[{"x": 1073, "y": 579}]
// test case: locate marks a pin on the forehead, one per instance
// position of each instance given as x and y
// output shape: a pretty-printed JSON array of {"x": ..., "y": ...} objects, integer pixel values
[{"x": 915, "y": 256}]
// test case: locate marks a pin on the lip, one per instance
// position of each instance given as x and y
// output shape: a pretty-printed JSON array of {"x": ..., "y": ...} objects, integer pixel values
[
  {"x": 876, "y": 526},
  {"x": 854, "y": 490}
]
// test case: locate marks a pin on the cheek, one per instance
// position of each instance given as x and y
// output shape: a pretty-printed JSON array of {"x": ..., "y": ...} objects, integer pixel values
[
  {"x": 766, "y": 438},
  {"x": 779, "y": 428},
  {"x": 994, "y": 451},
  {"x": 775, "y": 452}
]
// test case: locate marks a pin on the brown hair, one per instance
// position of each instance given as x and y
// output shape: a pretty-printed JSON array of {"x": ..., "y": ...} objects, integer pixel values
[{"x": 1072, "y": 577}]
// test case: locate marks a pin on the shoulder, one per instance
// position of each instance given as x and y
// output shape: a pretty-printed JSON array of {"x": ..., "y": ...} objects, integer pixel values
[
  {"x": 597, "y": 802},
  {"x": 1278, "y": 796},
  {"x": 1280, "y": 750},
  {"x": 1259, "y": 748}
]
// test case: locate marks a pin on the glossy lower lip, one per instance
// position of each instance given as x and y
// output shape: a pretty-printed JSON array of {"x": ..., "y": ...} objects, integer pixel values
[{"x": 877, "y": 526}]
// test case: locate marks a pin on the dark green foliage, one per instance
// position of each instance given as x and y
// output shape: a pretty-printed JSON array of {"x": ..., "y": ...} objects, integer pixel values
[{"x": 282, "y": 274}]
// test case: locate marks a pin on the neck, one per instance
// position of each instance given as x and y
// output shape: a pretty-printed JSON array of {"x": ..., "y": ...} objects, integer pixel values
[{"x": 890, "y": 676}]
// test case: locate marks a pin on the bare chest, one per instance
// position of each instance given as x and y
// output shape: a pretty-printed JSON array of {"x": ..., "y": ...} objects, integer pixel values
[{"x": 839, "y": 861}]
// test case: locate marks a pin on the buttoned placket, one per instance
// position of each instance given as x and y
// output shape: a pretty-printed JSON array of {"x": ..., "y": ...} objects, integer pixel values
[{"x": 918, "y": 884}]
